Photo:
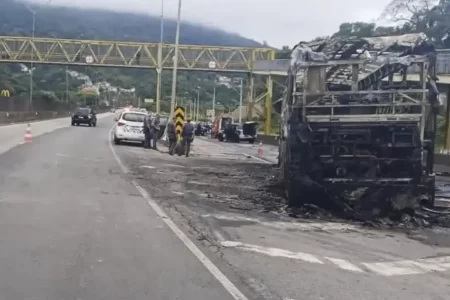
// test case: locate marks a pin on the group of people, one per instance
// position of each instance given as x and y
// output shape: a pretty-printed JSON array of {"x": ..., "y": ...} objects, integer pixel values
[
  {"x": 187, "y": 137},
  {"x": 151, "y": 132}
]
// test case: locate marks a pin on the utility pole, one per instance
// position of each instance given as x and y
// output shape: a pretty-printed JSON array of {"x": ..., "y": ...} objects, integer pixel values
[
  {"x": 67, "y": 84},
  {"x": 32, "y": 53},
  {"x": 32, "y": 58},
  {"x": 240, "y": 101},
  {"x": 175, "y": 63},
  {"x": 85, "y": 71},
  {"x": 198, "y": 101},
  {"x": 159, "y": 68},
  {"x": 195, "y": 109},
  {"x": 214, "y": 102}
]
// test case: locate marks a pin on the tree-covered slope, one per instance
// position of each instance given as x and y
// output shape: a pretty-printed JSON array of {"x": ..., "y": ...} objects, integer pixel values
[{"x": 63, "y": 22}]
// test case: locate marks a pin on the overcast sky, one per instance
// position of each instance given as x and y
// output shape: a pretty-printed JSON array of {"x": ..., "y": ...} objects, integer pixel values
[{"x": 279, "y": 22}]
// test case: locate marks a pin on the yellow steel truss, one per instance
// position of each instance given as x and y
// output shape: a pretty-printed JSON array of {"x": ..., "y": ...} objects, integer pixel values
[
  {"x": 264, "y": 97},
  {"x": 129, "y": 54}
]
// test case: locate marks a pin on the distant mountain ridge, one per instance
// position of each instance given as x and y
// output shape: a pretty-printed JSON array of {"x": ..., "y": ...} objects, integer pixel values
[
  {"x": 68, "y": 22},
  {"x": 72, "y": 23}
]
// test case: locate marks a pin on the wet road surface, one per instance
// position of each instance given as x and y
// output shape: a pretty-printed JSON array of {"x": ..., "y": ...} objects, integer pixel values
[
  {"x": 217, "y": 195},
  {"x": 73, "y": 226}
]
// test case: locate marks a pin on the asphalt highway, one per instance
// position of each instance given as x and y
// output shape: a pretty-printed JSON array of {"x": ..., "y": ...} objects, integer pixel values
[
  {"x": 82, "y": 219},
  {"x": 72, "y": 226}
]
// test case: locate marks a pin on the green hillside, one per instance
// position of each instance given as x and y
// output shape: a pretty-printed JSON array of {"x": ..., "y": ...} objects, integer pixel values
[{"x": 63, "y": 22}]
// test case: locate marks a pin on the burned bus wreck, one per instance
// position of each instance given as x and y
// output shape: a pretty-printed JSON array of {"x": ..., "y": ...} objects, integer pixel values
[{"x": 350, "y": 133}]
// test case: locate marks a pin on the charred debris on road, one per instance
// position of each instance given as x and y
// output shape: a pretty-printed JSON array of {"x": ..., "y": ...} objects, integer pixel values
[{"x": 324, "y": 206}]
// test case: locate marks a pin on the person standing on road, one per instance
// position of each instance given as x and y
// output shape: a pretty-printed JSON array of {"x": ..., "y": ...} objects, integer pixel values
[
  {"x": 147, "y": 131},
  {"x": 155, "y": 131},
  {"x": 172, "y": 135},
  {"x": 187, "y": 137}
]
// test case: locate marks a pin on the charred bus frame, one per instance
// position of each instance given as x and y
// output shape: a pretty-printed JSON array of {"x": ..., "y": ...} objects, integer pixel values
[{"x": 344, "y": 140}]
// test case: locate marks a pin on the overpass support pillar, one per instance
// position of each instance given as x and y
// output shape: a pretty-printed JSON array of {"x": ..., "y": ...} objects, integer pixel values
[
  {"x": 447, "y": 121},
  {"x": 158, "y": 79},
  {"x": 268, "y": 106},
  {"x": 251, "y": 87},
  {"x": 158, "y": 90}
]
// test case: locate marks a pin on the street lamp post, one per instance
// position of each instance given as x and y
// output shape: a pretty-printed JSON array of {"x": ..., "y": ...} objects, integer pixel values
[
  {"x": 198, "y": 102},
  {"x": 214, "y": 101},
  {"x": 175, "y": 63},
  {"x": 32, "y": 57},
  {"x": 240, "y": 100},
  {"x": 159, "y": 68},
  {"x": 67, "y": 84},
  {"x": 194, "y": 110},
  {"x": 33, "y": 12}
]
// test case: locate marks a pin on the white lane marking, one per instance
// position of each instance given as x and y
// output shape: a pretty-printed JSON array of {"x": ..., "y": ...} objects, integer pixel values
[
  {"x": 325, "y": 226},
  {"x": 116, "y": 157},
  {"x": 275, "y": 252},
  {"x": 344, "y": 264},
  {"x": 392, "y": 268},
  {"x": 395, "y": 268},
  {"x": 410, "y": 267},
  {"x": 198, "y": 183},
  {"x": 257, "y": 158},
  {"x": 209, "y": 265},
  {"x": 193, "y": 167},
  {"x": 177, "y": 193},
  {"x": 148, "y": 167},
  {"x": 174, "y": 165}
]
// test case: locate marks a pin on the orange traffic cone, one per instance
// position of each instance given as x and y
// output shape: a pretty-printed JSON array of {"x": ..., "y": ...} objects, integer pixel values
[
  {"x": 28, "y": 136},
  {"x": 260, "y": 149}
]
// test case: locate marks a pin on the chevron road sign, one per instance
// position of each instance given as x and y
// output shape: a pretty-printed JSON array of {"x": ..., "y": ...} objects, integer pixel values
[{"x": 179, "y": 115}]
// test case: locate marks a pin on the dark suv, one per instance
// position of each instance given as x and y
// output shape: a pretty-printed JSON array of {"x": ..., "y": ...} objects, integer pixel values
[{"x": 84, "y": 115}]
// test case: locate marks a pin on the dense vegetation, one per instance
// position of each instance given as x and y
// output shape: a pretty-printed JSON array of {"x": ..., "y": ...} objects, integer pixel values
[
  {"x": 62, "y": 22},
  {"x": 411, "y": 15}
]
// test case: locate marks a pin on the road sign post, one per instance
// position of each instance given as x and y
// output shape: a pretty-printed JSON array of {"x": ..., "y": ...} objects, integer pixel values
[{"x": 180, "y": 117}]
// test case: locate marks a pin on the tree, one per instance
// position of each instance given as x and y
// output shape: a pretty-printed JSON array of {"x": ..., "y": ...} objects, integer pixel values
[
  {"x": 284, "y": 53},
  {"x": 356, "y": 29},
  {"x": 409, "y": 11},
  {"x": 431, "y": 17}
]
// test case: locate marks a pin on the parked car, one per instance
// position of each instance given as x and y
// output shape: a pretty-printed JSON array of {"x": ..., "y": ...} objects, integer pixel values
[
  {"x": 200, "y": 130},
  {"x": 84, "y": 115},
  {"x": 238, "y": 133},
  {"x": 130, "y": 127},
  {"x": 248, "y": 132}
]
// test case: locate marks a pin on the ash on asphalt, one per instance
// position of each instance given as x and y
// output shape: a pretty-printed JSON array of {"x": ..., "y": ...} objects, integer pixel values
[
  {"x": 239, "y": 184},
  {"x": 230, "y": 185}
]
